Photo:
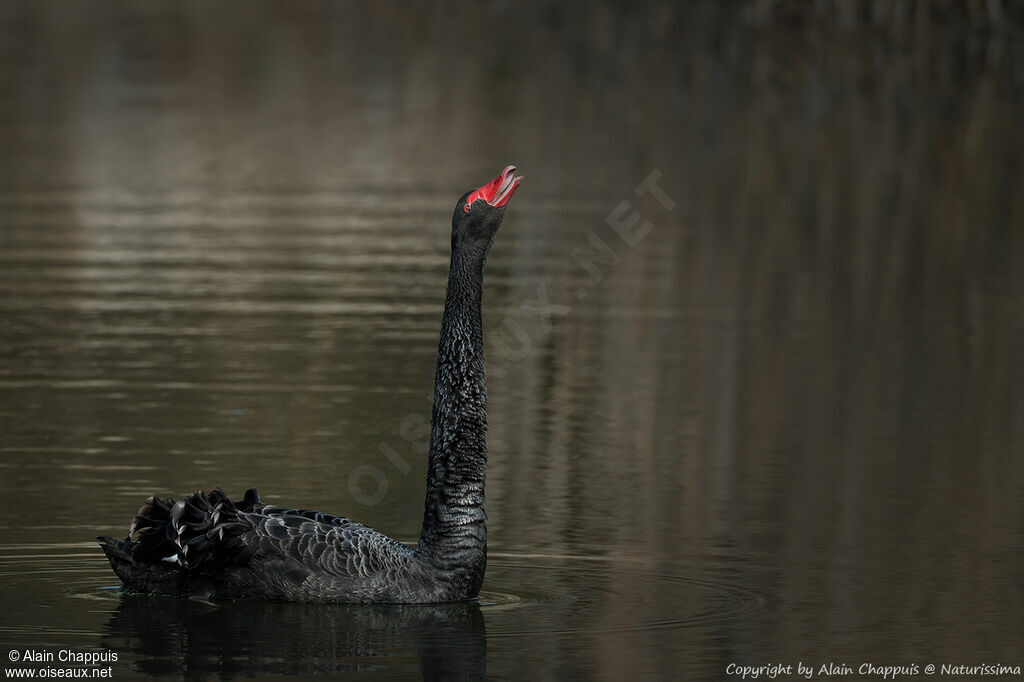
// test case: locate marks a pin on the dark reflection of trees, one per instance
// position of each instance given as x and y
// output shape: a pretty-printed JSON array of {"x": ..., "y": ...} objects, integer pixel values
[{"x": 181, "y": 637}]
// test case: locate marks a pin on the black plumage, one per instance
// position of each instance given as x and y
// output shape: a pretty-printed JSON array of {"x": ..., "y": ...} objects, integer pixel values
[{"x": 206, "y": 545}]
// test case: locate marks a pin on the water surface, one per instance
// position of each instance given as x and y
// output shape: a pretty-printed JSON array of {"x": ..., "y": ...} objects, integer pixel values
[{"x": 783, "y": 422}]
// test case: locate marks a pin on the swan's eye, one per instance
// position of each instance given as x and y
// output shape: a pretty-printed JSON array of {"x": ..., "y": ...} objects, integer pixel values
[{"x": 466, "y": 208}]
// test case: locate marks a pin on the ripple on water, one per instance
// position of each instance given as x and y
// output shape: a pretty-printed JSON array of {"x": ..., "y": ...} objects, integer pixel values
[
  {"x": 64, "y": 595},
  {"x": 565, "y": 593},
  {"x": 586, "y": 586}
]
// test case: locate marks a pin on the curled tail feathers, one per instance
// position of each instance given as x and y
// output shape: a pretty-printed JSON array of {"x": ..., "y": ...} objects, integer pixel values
[
  {"x": 191, "y": 533},
  {"x": 204, "y": 528}
]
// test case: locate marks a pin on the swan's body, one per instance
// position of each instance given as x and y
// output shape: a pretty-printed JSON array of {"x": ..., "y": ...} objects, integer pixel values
[{"x": 206, "y": 545}]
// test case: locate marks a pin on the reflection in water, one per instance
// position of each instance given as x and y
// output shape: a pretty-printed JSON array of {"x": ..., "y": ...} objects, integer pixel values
[{"x": 184, "y": 637}]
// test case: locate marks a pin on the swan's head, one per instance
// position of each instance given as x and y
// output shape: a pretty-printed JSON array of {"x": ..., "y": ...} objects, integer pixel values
[{"x": 479, "y": 213}]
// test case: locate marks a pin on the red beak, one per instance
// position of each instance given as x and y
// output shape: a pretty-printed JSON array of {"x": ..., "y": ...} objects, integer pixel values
[{"x": 498, "y": 191}]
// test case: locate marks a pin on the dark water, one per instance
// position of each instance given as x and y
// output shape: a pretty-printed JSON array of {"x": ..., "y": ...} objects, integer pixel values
[{"x": 777, "y": 417}]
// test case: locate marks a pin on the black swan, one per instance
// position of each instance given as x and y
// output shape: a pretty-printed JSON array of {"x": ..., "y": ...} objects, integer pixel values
[{"x": 208, "y": 546}]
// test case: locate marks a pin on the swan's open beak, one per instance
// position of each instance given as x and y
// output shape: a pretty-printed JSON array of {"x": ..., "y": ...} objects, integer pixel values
[{"x": 498, "y": 191}]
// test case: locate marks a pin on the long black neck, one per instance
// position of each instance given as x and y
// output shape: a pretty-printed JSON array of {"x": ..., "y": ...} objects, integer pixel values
[{"x": 454, "y": 533}]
